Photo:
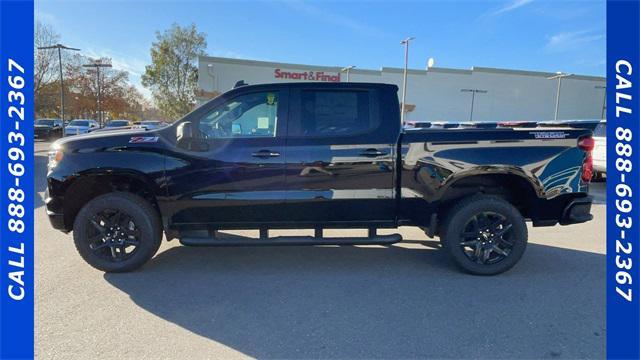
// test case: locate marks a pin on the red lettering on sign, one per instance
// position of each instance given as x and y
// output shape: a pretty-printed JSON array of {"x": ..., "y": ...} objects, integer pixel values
[{"x": 306, "y": 75}]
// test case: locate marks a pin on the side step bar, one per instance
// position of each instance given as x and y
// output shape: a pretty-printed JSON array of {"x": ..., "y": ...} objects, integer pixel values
[{"x": 291, "y": 241}]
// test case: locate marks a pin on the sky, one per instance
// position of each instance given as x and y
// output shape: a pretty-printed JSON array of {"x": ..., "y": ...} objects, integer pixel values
[{"x": 537, "y": 35}]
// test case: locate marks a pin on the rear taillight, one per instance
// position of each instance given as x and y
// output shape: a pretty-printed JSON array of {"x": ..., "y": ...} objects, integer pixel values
[
  {"x": 587, "y": 168},
  {"x": 587, "y": 144}
]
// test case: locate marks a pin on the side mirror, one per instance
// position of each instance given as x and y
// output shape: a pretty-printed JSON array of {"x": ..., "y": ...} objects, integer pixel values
[
  {"x": 187, "y": 137},
  {"x": 184, "y": 132}
]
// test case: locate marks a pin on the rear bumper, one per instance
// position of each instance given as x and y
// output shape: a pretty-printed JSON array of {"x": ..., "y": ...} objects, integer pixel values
[{"x": 577, "y": 211}]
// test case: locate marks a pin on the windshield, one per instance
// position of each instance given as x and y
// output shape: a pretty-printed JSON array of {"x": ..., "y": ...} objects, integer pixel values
[
  {"x": 79, "y": 123},
  {"x": 600, "y": 130},
  {"x": 44, "y": 122},
  {"x": 150, "y": 123},
  {"x": 116, "y": 123}
]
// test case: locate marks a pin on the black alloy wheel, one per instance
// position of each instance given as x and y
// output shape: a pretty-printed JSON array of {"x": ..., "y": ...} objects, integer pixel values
[
  {"x": 117, "y": 232},
  {"x": 484, "y": 235},
  {"x": 113, "y": 235},
  {"x": 487, "y": 238}
]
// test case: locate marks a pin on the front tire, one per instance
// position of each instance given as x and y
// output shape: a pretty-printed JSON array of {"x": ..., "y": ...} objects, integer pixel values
[
  {"x": 484, "y": 235},
  {"x": 117, "y": 232}
]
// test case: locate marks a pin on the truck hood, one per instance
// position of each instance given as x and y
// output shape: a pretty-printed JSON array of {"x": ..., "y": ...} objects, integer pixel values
[
  {"x": 117, "y": 128},
  {"x": 117, "y": 137}
]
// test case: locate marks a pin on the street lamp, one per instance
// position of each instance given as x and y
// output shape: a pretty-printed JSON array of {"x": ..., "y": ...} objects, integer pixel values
[
  {"x": 347, "y": 69},
  {"x": 604, "y": 98},
  {"x": 97, "y": 65},
  {"x": 60, "y": 47},
  {"x": 473, "y": 97},
  {"x": 559, "y": 75},
  {"x": 405, "y": 42}
]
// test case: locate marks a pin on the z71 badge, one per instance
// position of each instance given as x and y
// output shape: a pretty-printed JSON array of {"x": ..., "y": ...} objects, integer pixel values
[{"x": 143, "y": 139}]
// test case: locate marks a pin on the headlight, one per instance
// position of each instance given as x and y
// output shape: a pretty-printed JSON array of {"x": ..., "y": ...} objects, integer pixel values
[{"x": 54, "y": 158}]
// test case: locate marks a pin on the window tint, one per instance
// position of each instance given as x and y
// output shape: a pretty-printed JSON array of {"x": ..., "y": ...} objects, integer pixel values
[
  {"x": 249, "y": 115},
  {"x": 333, "y": 113}
]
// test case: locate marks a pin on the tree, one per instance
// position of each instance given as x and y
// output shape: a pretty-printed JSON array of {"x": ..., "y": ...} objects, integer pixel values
[
  {"x": 119, "y": 98},
  {"x": 45, "y": 71},
  {"x": 46, "y": 61},
  {"x": 172, "y": 76}
]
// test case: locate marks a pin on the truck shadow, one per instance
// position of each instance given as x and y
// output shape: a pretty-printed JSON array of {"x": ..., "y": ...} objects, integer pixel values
[{"x": 376, "y": 302}]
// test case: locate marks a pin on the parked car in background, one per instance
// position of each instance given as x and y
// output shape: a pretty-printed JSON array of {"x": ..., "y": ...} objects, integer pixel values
[
  {"x": 518, "y": 124},
  {"x": 444, "y": 125},
  {"x": 48, "y": 128},
  {"x": 117, "y": 123},
  {"x": 600, "y": 151},
  {"x": 575, "y": 124},
  {"x": 80, "y": 126},
  {"x": 478, "y": 125},
  {"x": 417, "y": 124},
  {"x": 151, "y": 124}
]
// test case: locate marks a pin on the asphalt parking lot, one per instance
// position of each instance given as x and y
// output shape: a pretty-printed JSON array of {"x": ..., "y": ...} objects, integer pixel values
[{"x": 401, "y": 301}]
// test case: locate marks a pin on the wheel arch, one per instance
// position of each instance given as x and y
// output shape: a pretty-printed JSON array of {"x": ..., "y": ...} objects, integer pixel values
[
  {"x": 514, "y": 186},
  {"x": 89, "y": 185}
]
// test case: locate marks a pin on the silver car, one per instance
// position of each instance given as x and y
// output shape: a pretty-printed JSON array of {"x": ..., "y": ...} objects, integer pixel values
[
  {"x": 80, "y": 126},
  {"x": 151, "y": 124}
]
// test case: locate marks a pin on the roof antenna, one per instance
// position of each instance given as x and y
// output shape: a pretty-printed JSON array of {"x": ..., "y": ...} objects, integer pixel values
[{"x": 240, "y": 83}]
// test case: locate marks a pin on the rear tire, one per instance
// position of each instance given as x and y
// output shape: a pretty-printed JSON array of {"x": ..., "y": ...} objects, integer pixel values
[
  {"x": 117, "y": 232},
  {"x": 484, "y": 235}
]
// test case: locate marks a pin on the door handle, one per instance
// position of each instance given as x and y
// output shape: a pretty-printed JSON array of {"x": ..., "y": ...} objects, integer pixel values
[
  {"x": 265, "y": 154},
  {"x": 372, "y": 153}
]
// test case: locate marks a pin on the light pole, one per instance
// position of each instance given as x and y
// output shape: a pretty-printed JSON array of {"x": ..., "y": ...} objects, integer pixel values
[
  {"x": 473, "y": 97},
  {"x": 60, "y": 47},
  {"x": 347, "y": 69},
  {"x": 213, "y": 78},
  {"x": 97, "y": 65},
  {"x": 405, "y": 42},
  {"x": 559, "y": 75},
  {"x": 604, "y": 98}
]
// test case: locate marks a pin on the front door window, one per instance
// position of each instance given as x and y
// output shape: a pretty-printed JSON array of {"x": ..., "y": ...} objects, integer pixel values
[{"x": 246, "y": 116}]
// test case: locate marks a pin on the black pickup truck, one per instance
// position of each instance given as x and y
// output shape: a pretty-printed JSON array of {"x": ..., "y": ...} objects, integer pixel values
[{"x": 314, "y": 156}]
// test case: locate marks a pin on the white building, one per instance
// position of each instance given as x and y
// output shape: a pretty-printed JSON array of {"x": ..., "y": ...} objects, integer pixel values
[{"x": 434, "y": 94}]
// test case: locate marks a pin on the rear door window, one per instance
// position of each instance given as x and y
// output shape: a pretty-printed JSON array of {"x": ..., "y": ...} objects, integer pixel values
[{"x": 327, "y": 113}]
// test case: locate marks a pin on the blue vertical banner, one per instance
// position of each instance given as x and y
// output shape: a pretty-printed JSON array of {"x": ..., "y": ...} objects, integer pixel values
[
  {"x": 623, "y": 180},
  {"x": 16, "y": 179}
]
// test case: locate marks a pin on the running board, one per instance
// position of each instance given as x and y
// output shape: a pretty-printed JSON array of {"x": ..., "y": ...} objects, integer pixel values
[{"x": 291, "y": 241}]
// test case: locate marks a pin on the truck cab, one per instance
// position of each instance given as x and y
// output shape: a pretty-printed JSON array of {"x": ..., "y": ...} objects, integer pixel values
[{"x": 297, "y": 154}]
